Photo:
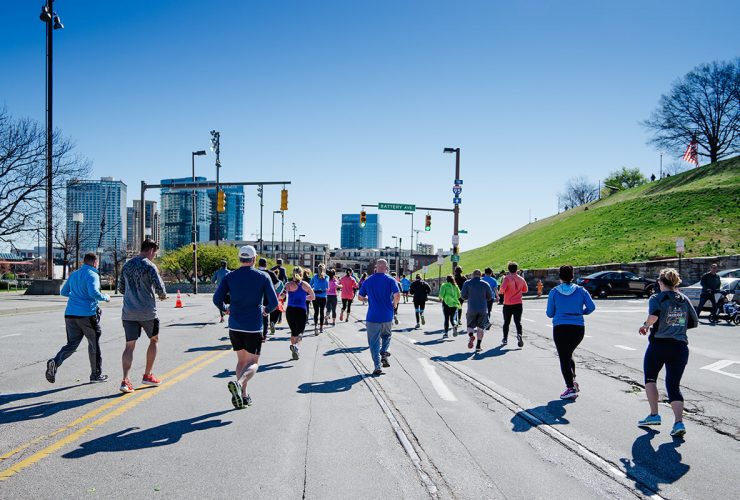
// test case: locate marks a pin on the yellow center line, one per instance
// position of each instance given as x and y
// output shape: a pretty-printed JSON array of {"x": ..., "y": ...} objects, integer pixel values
[{"x": 125, "y": 403}]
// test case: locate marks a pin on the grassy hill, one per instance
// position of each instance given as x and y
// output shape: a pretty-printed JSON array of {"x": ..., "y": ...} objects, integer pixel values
[{"x": 701, "y": 205}]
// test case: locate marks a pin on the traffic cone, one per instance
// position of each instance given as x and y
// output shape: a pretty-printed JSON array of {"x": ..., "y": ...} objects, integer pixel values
[{"x": 178, "y": 302}]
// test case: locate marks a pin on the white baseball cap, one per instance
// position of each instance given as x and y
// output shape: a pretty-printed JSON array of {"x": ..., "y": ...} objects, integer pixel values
[{"x": 247, "y": 252}]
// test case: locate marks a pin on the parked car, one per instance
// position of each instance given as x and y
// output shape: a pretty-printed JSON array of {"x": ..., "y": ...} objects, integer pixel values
[
  {"x": 605, "y": 283},
  {"x": 729, "y": 284}
]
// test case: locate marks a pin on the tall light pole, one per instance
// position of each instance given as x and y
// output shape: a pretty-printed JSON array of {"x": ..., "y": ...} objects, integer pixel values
[
  {"x": 282, "y": 232},
  {"x": 455, "y": 245},
  {"x": 261, "y": 194},
  {"x": 273, "y": 231},
  {"x": 396, "y": 245},
  {"x": 216, "y": 148},
  {"x": 78, "y": 218},
  {"x": 299, "y": 247},
  {"x": 53, "y": 22},
  {"x": 294, "y": 254},
  {"x": 412, "y": 233},
  {"x": 195, "y": 231}
]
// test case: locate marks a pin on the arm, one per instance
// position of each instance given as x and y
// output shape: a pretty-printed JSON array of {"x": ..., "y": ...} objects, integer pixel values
[
  {"x": 526, "y": 288},
  {"x": 93, "y": 289},
  {"x": 65, "y": 289},
  {"x": 427, "y": 288},
  {"x": 464, "y": 291},
  {"x": 220, "y": 294},
  {"x": 588, "y": 303},
  {"x": 309, "y": 291},
  {"x": 693, "y": 319},
  {"x": 489, "y": 293},
  {"x": 396, "y": 298},
  {"x": 362, "y": 294},
  {"x": 550, "y": 311},
  {"x": 122, "y": 283},
  {"x": 653, "y": 316},
  {"x": 157, "y": 282}
]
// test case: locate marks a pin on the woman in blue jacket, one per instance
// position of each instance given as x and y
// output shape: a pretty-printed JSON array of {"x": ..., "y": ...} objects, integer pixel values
[{"x": 566, "y": 305}]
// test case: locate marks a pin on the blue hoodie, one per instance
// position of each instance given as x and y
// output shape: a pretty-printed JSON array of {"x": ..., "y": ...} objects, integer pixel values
[
  {"x": 83, "y": 290},
  {"x": 568, "y": 303}
]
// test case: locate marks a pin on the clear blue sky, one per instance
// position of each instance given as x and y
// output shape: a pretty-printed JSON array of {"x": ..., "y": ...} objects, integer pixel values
[{"x": 354, "y": 100}]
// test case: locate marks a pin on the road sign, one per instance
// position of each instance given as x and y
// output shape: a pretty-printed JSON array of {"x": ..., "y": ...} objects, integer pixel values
[
  {"x": 458, "y": 182},
  {"x": 456, "y": 200},
  {"x": 680, "y": 245},
  {"x": 455, "y": 258},
  {"x": 425, "y": 269},
  {"x": 455, "y": 240},
  {"x": 440, "y": 260},
  {"x": 463, "y": 231},
  {"x": 397, "y": 206},
  {"x": 411, "y": 263},
  {"x": 457, "y": 190}
]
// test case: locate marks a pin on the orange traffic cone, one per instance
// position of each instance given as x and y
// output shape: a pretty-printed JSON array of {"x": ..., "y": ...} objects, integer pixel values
[{"x": 178, "y": 302}]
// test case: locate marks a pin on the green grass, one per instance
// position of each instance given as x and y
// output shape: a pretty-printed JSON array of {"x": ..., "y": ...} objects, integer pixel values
[{"x": 642, "y": 223}]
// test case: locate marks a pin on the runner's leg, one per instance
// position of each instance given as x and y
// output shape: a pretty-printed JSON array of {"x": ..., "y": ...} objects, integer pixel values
[
  {"x": 74, "y": 337},
  {"x": 507, "y": 320}
]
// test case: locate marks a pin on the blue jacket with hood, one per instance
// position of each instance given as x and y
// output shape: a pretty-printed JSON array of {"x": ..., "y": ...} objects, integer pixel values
[{"x": 568, "y": 303}]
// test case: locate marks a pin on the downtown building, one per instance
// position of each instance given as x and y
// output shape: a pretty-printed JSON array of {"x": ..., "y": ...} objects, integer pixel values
[
  {"x": 354, "y": 236},
  {"x": 151, "y": 224},
  {"x": 103, "y": 207}
]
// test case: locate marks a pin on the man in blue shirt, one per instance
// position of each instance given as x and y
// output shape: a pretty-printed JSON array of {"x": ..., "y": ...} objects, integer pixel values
[
  {"x": 252, "y": 298},
  {"x": 488, "y": 278},
  {"x": 405, "y": 287},
  {"x": 382, "y": 294},
  {"x": 82, "y": 318}
]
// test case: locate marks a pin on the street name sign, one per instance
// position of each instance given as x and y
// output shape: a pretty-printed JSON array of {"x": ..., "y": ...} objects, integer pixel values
[
  {"x": 458, "y": 182},
  {"x": 397, "y": 206},
  {"x": 455, "y": 258}
]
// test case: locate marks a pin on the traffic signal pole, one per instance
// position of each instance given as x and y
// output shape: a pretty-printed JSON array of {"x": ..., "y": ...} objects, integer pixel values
[{"x": 455, "y": 234}]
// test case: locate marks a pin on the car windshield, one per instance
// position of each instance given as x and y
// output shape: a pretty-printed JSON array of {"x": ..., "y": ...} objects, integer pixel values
[
  {"x": 729, "y": 273},
  {"x": 730, "y": 283}
]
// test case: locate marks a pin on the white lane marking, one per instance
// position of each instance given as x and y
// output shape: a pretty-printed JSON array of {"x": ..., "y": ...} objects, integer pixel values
[
  {"x": 625, "y": 347},
  {"x": 11, "y": 335},
  {"x": 437, "y": 382},
  {"x": 530, "y": 320},
  {"x": 618, "y": 310},
  {"x": 717, "y": 366},
  {"x": 587, "y": 336}
]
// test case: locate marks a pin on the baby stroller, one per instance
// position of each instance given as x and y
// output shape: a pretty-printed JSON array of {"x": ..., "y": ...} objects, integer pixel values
[{"x": 729, "y": 307}]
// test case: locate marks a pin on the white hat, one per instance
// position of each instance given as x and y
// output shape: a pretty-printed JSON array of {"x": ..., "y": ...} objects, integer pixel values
[{"x": 247, "y": 252}]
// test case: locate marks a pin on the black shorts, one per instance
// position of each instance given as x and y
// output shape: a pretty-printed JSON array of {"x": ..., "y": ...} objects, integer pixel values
[
  {"x": 250, "y": 342},
  {"x": 132, "y": 329}
]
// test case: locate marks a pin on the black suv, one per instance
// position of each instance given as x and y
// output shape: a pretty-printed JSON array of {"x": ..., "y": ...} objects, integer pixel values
[{"x": 605, "y": 283}]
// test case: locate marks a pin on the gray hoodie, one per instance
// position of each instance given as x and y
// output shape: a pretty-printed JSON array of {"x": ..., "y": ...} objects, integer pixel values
[{"x": 675, "y": 315}]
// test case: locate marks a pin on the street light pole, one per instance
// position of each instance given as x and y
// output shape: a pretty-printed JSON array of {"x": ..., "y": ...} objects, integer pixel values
[
  {"x": 294, "y": 254},
  {"x": 412, "y": 233},
  {"x": 195, "y": 231},
  {"x": 78, "y": 218},
  {"x": 216, "y": 148},
  {"x": 261, "y": 193},
  {"x": 272, "y": 242},
  {"x": 455, "y": 246},
  {"x": 282, "y": 232}
]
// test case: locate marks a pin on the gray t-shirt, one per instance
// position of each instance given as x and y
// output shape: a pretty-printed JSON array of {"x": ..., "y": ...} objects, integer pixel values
[
  {"x": 675, "y": 315},
  {"x": 138, "y": 283},
  {"x": 477, "y": 292}
]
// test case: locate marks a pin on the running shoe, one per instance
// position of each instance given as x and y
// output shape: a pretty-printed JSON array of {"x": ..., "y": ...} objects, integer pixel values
[
  {"x": 346, "y": 320},
  {"x": 444, "y": 336},
  {"x": 341, "y": 316},
  {"x": 471, "y": 340},
  {"x": 454, "y": 331},
  {"x": 384, "y": 361},
  {"x": 576, "y": 386},
  {"x": 519, "y": 341},
  {"x": 247, "y": 400},
  {"x": 478, "y": 350},
  {"x": 150, "y": 380},
  {"x": 51, "y": 371},
  {"x": 678, "y": 429},
  {"x": 294, "y": 350},
  {"x": 417, "y": 325},
  {"x": 126, "y": 386},
  {"x": 236, "y": 394},
  {"x": 98, "y": 378},
  {"x": 649, "y": 420},
  {"x": 378, "y": 371},
  {"x": 272, "y": 328},
  {"x": 504, "y": 341},
  {"x": 395, "y": 318},
  {"x": 422, "y": 319},
  {"x": 570, "y": 393},
  {"x": 321, "y": 330}
]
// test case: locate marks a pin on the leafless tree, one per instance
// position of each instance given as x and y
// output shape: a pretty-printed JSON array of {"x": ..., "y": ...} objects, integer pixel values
[
  {"x": 23, "y": 173},
  {"x": 705, "y": 103},
  {"x": 578, "y": 191},
  {"x": 66, "y": 244}
]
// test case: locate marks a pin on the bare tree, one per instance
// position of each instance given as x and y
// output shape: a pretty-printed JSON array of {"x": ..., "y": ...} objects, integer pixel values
[
  {"x": 66, "y": 244},
  {"x": 578, "y": 191},
  {"x": 23, "y": 173},
  {"x": 705, "y": 103}
]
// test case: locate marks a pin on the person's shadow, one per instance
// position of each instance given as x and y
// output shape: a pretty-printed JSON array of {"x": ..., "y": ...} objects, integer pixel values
[
  {"x": 44, "y": 409},
  {"x": 551, "y": 414},
  {"x": 651, "y": 467},
  {"x": 330, "y": 386},
  {"x": 135, "y": 439}
]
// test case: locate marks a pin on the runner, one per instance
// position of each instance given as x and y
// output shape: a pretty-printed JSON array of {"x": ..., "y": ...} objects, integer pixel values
[
  {"x": 449, "y": 294},
  {"x": 252, "y": 299},
  {"x": 331, "y": 297},
  {"x": 420, "y": 291},
  {"x": 82, "y": 318},
  {"x": 279, "y": 271},
  {"x": 395, "y": 308},
  {"x": 349, "y": 287},
  {"x": 670, "y": 316},
  {"x": 405, "y": 287},
  {"x": 383, "y": 294},
  {"x": 710, "y": 285},
  {"x": 488, "y": 278},
  {"x": 217, "y": 278},
  {"x": 513, "y": 287},
  {"x": 320, "y": 285},
  {"x": 307, "y": 279},
  {"x": 278, "y": 286},
  {"x": 139, "y": 282},
  {"x": 500, "y": 281},
  {"x": 477, "y": 292},
  {"x": 299, "y": 293},
  {"x": 566, "y": 305},
  {"x": 460, "y": 280}
]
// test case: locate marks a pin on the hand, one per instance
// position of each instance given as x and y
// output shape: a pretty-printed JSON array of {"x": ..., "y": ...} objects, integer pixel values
[
  {"x": 265, "y": 314},
  {"x": 644, "y": 330}
]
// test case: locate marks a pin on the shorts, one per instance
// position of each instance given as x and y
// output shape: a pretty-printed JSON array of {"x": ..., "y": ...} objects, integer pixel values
[
  {"x": 133, "y": 328},
  {"x": 476, "y": 319},
  {"x": 244, "y": 341}
]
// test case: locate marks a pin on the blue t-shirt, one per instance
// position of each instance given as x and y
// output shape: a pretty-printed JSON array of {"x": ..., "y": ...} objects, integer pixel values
[
  {"x": 379, "y": 290},
  {"x": 491, "y": 282},
  {"x": 405, "y": 284}
]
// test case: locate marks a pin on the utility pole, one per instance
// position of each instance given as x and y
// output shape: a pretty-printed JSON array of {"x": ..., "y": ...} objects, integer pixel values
[
  {"x": 455, "y": 234},
  {"x": 294, "y": 254},
  {"x": 260, "y": 193},
  {"x": 216, "y": 148},
  {"x": 282, "y": 233}
]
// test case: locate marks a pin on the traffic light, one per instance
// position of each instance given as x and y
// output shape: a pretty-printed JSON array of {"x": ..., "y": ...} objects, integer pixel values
[
  {"x": 221, "y": 201},
  {"x": 284, "y": 199},
  {"x": 428, "y": 223},
  {"x": 363, "y": 218}
]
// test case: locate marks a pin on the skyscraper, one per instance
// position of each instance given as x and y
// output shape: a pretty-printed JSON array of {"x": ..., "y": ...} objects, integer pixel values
[
  {"x": 354, "y": 236},
  {"x": 103, "y": 205},
  {"x": 151, "y": 224},
  {"x": 176, "y": 217},
  {"x": 231, "y": 221}
]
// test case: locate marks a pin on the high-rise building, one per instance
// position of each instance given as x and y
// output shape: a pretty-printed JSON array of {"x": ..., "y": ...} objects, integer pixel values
[
  {"x": 151, "y": 224},
  {"x": 176, "y": 216},
  {"x": 354, "y": 236},
  {"x": 103, "y": 206},
  {"x": 231, "y": 222}
]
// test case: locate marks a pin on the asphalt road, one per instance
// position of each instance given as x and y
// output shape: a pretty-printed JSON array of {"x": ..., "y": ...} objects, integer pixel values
[{"x": 441, "y": 423}]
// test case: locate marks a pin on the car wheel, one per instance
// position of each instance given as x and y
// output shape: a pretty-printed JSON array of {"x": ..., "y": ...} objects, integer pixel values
[
  {"x": 600, "y": 293},
  {"x": 737, "y": 319}
]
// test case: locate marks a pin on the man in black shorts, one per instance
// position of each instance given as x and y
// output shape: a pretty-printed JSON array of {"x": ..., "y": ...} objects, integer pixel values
[{"x": 249, "y": 289}]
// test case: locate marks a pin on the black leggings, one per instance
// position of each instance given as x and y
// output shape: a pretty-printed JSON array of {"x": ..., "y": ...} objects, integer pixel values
[
  {"x": 331, "y": 306},
  {"x": 296, "y": 317},
  {"x": 450, "y": 315},
  {"x": 419, "y": 306},
  {"x": 674, "y": 354},
  {"x": 346, "y": 305},
  {"x": 319, "y": 305},
  {"x": 567, "y": 338},
  {"x": 515, "y": 311}
]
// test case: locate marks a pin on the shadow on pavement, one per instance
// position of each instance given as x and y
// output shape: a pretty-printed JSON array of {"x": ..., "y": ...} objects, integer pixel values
[
  {"x": 135, "y": 439},
  {"x": 277, "y": 365},
  {"x": 44, "y": 409},
  {"x": 9, "y": 398},
  {"x": 551, "y": 414},
  {"x": 458, "y": 356},
  {"x": 344, "y": 350},
  {"x": 330, "y": 386},
  {"x": 495, "y": 352},
  {"x": 435, "y": 332},
  {"x": 651, "y": 467},
  {"x": 222, "y": 347},
  {"x": 436, "y": 341},
  {"x": 205, "y": 323}
]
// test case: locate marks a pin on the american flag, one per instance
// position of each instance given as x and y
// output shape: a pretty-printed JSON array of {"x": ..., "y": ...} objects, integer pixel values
[{"x": 691, "y": 154}]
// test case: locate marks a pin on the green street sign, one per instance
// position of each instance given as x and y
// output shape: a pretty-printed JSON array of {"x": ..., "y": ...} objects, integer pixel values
[
  {"x": 455, "y": 258},
  {"x": 396, "y": 206},
  {"x": 463, "y": 231}
]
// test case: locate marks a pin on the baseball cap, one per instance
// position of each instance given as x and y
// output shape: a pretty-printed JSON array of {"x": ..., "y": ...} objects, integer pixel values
[{"x": 247, "y": 252}]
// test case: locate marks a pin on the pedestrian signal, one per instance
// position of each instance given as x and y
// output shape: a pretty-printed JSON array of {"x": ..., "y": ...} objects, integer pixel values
[
  {"x": 284, "y": 199},
  {"x": 221, "y": 202}
]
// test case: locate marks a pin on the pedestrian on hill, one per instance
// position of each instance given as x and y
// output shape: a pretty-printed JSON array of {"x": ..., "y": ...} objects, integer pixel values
[
  {"x": 567, "y": 304},
  {"x": 320, "y": 285},
  {"x": 299, "y": 294},
  {"x": 670, "y": 315},
  {"x": 382, "y": 293},
  {"x": 82, "y": 318},
  {"x": 420, "y": 291},
  {"x": 449, "y": 294},
  {"x": 139, "y": 282},
  {"x": 477, "y": 292},
  {"x": 513, "y": 287}
]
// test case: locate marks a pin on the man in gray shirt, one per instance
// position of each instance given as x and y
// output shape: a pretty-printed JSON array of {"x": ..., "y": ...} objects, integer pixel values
[
  {"x": 139, "y": 282},
  {"x": 477, "y": 292}
]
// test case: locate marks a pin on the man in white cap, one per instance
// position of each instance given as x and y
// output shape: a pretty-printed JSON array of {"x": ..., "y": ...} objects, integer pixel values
[{"x": 248, "y": 288}]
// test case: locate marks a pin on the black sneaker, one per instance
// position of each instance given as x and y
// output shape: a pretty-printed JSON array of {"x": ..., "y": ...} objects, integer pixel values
[
  {"x": 236, "y": 395},
  {"x": 504, "y": 341},
  {"x": 98, "y": 378},
  {"x": 294, "y": 350},
  {"x": 384, "y": 361},
  {"x": 51, "y": 371},
  {"x": 248, "y": 400},
  {"x": 519, "y": 341},
  {"x": 378, "y": 371},
  {"x": 445, "y": 335}
]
